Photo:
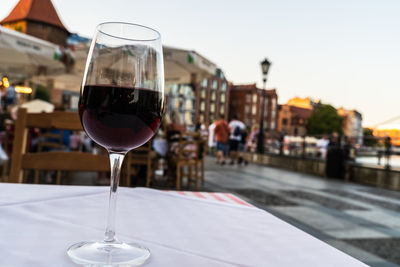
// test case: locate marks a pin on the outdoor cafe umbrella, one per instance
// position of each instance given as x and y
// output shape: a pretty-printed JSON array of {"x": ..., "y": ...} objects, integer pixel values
[
  {"x": 15, "y": 63},
  {"x": 22, "y": 56},
  {"x": 36, "y": 106}
]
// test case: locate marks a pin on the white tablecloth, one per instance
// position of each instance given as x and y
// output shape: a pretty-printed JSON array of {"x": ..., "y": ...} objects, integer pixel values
[{"x": 39, "y": 222}]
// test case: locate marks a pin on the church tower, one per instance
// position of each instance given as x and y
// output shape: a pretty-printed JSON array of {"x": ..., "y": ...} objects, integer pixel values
[{"x": 38, "y": 18}]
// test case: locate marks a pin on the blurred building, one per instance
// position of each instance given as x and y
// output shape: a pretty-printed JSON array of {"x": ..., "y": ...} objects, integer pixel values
[
  {"x": 305, "y": 103},
  {"x": 212, "y": 96},
  {"x": 246, "y": 102},
  {"x": 37, "y": 18},
  {"x": 352, "y": 124},
  {"x": 292, "y": 119},
  {"x": 186, "y": 73}
]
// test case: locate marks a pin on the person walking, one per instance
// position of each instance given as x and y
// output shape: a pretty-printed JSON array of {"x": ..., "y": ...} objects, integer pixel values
[
  {"x": 242, "y": 147},
  {"x": 221, "y": 133},
  {"x": 236, "y": 127},
  {"x": 211, "y": 138}
]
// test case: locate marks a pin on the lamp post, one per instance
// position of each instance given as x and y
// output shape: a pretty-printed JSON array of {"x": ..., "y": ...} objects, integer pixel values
[{"x": 265, "y": 64}]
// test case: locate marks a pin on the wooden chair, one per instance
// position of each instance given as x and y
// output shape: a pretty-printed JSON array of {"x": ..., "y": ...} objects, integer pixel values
[
  {"x": 54, "y": 160},
  {"x": 184, "y": 156},
  {"x": 49, "y": 141},
  {"x": 7, "y": 145},
  {"x": 203, "y": 147},
  {"x": 141, "y": 156}
]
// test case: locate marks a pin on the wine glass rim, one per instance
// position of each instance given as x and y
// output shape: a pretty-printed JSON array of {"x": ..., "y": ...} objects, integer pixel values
[{"x": 129, "y": 24}]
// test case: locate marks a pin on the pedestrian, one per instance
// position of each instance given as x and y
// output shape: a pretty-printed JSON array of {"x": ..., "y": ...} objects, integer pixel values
[
  {"x": 221, "y": 132},
  {"x": 388, "y": 151},
  {"x": 335, "y": 158},
  {"x": 211, "y": 138},
  {"x": 252, "y": 139},
  {"x": 242, "y": 147},
  {"x": 235, "y": 127}
]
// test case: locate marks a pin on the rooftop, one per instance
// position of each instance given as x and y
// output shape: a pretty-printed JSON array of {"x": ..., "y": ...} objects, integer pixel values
[{"x": 35, "y": 10}]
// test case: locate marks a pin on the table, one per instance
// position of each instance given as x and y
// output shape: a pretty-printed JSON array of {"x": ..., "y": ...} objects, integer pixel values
[{"x": 39, "y": 222}]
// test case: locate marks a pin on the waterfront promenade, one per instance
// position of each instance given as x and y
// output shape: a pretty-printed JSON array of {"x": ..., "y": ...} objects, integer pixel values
[{"x": 362, "y": 221}]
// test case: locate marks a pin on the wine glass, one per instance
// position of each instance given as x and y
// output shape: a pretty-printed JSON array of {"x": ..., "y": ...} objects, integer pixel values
[{"x": 121, "y": 104}]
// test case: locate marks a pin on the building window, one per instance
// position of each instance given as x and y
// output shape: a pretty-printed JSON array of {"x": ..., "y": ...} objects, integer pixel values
[
  {"x": 273, "y": 103},
  {"x": 247, "y": 109},
  {"x": 223, "y": 87},
  {"x": 284, "y": 121},
  {"x": 202, "y": 106},
  {"x": 212, "y": 107},
  {"x": 254, "y": 110},
  {"x": 204, "y": 83},
  {"x": 203, "y": 93},
  {"x": 248, "y": 98},
  {"x": 254, "y": 98},
  {"x": 186, "y": 91},
  {"x": 213, "y": 94},
  {"x": 273, "y": 115},
  {"x": 188, "y": 118},
  {"x": 189, "y": 104},
  {"x": 222, "y": 110},
  {"x": 272, "y": 125},
  {"x": 222, "y": 98},
  {"x": 177, "y": 103},
  {"x": 214, "y": 84}
]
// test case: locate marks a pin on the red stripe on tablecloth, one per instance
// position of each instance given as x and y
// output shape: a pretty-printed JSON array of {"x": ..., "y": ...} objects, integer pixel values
[
  {"x": 181, "y": 192},
  {"x": 198, "y": 194},
  {"x": 214, "y": 195},
  {"x": 237, "y": 200}
]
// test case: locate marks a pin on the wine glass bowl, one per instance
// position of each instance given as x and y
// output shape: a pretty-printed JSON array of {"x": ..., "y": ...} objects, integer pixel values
[{"x": 121, "y": 105}]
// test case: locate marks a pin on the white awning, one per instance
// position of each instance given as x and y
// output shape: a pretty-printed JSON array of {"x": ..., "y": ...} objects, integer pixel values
[
  {"x": 185, "y": 66},
  {"x": 22, "y": 55}
]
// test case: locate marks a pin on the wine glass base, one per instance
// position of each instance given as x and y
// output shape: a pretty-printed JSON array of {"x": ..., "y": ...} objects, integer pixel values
[{"x": 108, "y": 254}]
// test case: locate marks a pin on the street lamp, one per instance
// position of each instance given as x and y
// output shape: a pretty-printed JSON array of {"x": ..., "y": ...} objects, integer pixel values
[{"x": 265, "y": 64}]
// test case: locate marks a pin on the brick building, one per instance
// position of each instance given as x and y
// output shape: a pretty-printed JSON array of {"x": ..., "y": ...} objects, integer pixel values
[
  {"x": 292, "y": 120},
  {"x": 212, "y": 96},
  {"x": 246, "y": 101},
  {"x": 352, "y": 124},
  {"x": 37, "y": 18}
]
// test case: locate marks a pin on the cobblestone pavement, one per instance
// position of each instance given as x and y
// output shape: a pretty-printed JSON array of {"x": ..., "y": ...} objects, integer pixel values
[{"x": 362, "y": 221}]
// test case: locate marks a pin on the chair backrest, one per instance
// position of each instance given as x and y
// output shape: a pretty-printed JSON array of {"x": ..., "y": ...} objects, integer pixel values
[
  {"x": 188, "y": 145},
  {"x": 57, "y": 160},
  {"x": 49, "y": 140},
  {"x": 141, "y": 155}
]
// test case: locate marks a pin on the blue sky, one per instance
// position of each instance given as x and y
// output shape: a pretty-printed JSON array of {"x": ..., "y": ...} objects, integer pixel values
[{"x": 346, "y": 53}]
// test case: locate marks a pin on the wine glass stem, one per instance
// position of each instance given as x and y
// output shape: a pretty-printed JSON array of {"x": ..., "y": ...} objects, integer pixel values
[{"x": 116, "y": 160}]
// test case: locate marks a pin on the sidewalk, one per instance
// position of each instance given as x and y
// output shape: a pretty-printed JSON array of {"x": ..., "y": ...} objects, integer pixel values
[{"x": 362, "y": 221}]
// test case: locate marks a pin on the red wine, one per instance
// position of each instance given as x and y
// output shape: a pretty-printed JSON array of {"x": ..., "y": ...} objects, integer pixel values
[{"x": 120, "y": 118}]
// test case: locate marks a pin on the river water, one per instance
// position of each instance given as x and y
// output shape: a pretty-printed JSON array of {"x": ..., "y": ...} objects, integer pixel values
[{"x": 394, "y": 160}]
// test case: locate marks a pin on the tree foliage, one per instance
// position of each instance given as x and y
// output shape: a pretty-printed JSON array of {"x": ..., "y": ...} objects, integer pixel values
[
  {"x": 324, "y": 120},
  {"x": 369, "y": 138},
  {"x": 42, "y": 93}
]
